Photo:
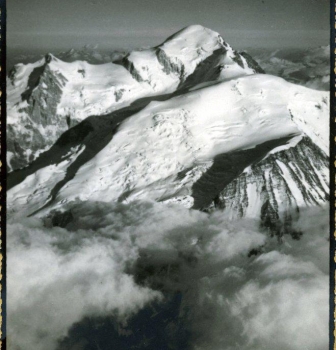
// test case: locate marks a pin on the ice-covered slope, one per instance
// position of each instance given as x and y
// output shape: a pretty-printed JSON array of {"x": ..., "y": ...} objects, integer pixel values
[
  {"x": 47, "y": 97},
  {"x": 193, "y": 148}
]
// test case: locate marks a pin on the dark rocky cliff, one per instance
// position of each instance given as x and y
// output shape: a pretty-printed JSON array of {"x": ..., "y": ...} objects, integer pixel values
[{"x": 276, "y": 187}]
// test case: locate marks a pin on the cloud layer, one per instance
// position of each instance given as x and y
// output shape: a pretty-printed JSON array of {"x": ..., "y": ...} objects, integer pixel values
[{"x": 274, "y": 299}]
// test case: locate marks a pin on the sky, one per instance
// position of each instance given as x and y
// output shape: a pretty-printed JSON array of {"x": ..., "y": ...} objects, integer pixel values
[{"x": 118, "y": 24}]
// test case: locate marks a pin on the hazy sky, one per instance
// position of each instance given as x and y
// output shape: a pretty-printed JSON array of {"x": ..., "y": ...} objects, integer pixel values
[{"x": 62, "y": 24}]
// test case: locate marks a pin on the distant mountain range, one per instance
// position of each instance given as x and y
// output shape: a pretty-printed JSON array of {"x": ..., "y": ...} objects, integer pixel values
[{"x": 309, "y": 67}]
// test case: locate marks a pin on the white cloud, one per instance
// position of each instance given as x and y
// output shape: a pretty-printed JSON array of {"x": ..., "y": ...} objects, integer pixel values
[{"x": 277, "y": 300}]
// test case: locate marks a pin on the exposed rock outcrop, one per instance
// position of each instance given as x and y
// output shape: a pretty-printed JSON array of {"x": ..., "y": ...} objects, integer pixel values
[{"x": 277, "y": 187}]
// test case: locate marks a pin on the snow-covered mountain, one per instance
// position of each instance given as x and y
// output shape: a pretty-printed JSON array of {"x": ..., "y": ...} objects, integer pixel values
[
  {"x": 253, "y": 145},
  {"x": 49, "y": 96}
]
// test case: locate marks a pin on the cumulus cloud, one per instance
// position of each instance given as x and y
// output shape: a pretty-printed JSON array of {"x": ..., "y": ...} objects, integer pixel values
[{"x": 274, "y": 299}]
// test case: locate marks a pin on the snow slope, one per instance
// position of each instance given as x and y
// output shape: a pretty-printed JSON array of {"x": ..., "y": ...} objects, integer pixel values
[{"x": 181, "y": 149}]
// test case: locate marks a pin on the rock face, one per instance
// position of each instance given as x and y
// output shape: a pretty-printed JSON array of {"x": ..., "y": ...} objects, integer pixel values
[
  {"x": 44, "y": 95},
  {"x": 39, "y": 124},
  {"x": 47, "y": 97},
  {"x": 277, "y": 187}
]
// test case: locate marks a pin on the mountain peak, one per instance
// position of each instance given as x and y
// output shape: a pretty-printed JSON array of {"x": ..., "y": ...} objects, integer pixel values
[
  {"x": 49, "y": 57},
  {"x": 194, "y": 34},
  {"x": 193, "y": 29}
]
